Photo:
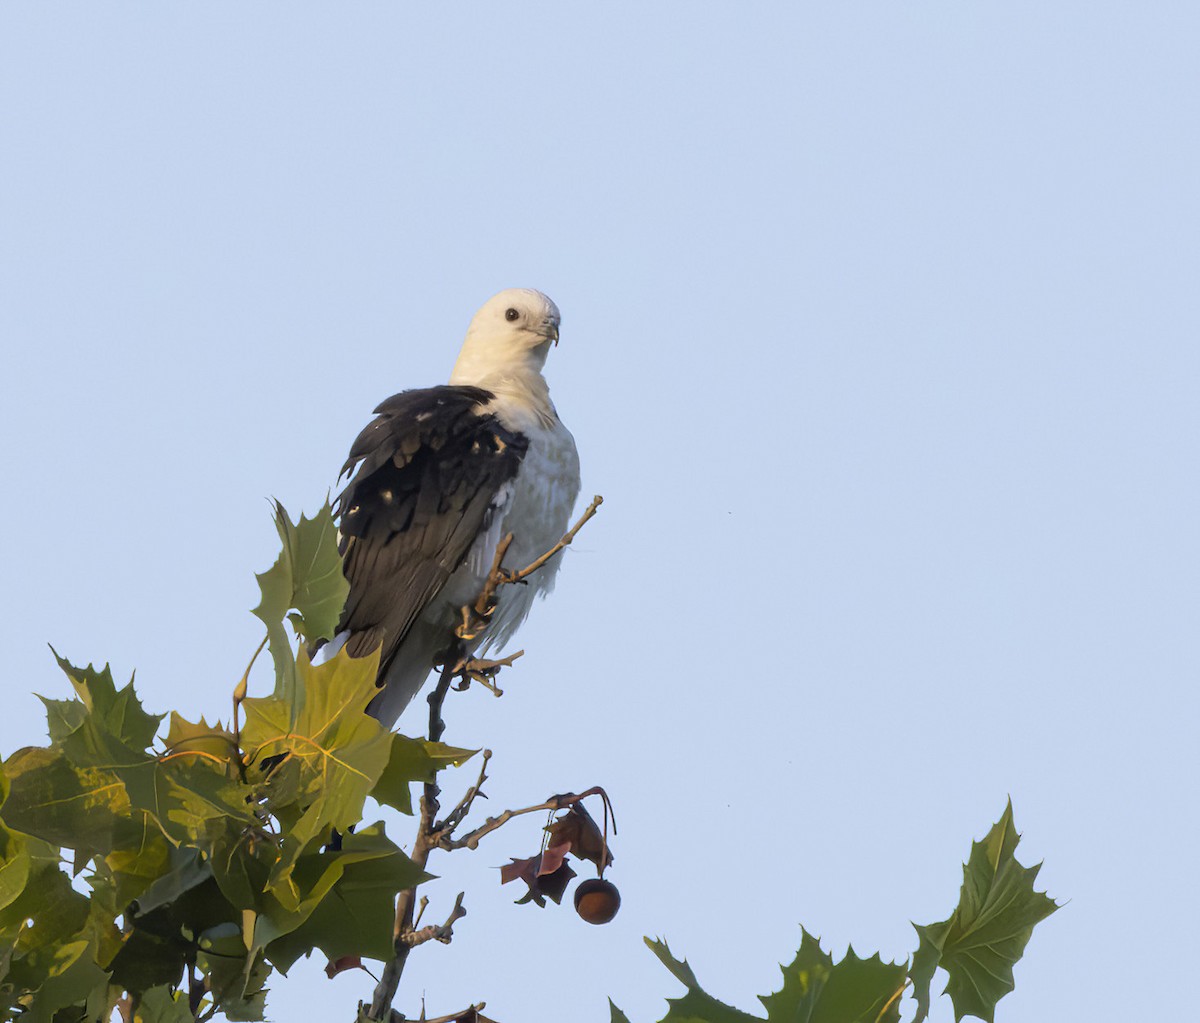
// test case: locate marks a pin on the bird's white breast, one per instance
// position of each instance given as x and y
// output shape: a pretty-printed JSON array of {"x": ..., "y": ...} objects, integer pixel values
[
  {"x": 537, "y": 515},
  {"x": 535, "y": 507}
]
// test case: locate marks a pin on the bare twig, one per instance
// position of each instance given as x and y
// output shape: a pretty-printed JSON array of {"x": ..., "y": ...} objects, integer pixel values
[
  {"x": 385, "y": 990},
  {"x": 474, "y": 618},
  {"x": 560, "y": 802},
  {"x": 533, "y": 566},
  {"x": 483, "y": 603},
  {"x": 456, "y": 816},
  {"x": 420, "y": 909},
  {"x": 437, "y": 932}
]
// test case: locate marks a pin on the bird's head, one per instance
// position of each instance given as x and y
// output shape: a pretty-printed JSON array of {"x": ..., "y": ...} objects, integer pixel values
[{"x": 513, "y": 331}]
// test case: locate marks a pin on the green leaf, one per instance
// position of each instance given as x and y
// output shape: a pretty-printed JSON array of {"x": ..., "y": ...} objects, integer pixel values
[
  {"x": 65, "y": 805},
  {"x": 51, "y": 959},
  {"x": 119, "y": 712},
  {"x": 139, "y": 857},
  {"x": 815, "y": 990},
  {"x": 697, "y": 1006},
  {"x": 159, "y": 1005},
  {"x": 101, "y": 927},
  {"x": 341, "y": 749},
  {"x": 986, "y": 935},
  {"x": 185, "y": 736},
  {"x": 188, "y": 871},
  {"x": 414, "y": 760},
  {"x": 854, "y": 990},
  {"x": 146, "y": 960},
  {"x": 931, "y": 939},
  {"x": 71, "y": 975},
  {"x": 15, "y": 865},
  {"x": 307, "y": 577},
  {"x": 241, "y": 995},
  {"x": 194, "y": 794},
  {"x": 63, "y": 717},
  {"x": 615, "y": 1015},
  {"x": 347, "y": 905}
]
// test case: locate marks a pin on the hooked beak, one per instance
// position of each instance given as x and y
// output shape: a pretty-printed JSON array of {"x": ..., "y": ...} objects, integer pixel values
[{"x": 552, "y": 333}]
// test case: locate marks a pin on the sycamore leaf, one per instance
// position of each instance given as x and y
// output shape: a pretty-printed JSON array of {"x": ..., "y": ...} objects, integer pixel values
[
  {"x": 140, "y": 856},
  {"x": 818, "y": 990},
  {"x": 63, "y": 717},
  {"x": 119, "y": 711},
  {"x": 347, "y": 902},
  {"x": 341, "y": 749},
  {"x": 185, "y": 736},
  {"x": 414, "y": 760},
  {"x": 240, "y": 994},
  {"x": 696, "y": 1006},
  {"x": 14, "y": 870},
  {"x": 188, "y": 871},
  {"x": 61, "y": 803},
  {"x": 193, "y": 794},
  {"x": 986, "y": 935},
  {"x": 159, "y": 1005},
  {"x": 615, "y": 1014},
  {"x": 50, "y": 955},
  {"x": 146, "y": 960},
  {"x": 71, "y": 975},
  {"x": 103, "y": 911},
  {"x": 307, "y": 577}
]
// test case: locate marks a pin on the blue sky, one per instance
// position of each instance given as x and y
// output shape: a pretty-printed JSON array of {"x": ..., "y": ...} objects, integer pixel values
[{"x": 879, "y": 338}]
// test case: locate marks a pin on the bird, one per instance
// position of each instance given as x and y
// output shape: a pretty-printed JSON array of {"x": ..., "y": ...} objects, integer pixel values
[{"x": 435, "y": 482}]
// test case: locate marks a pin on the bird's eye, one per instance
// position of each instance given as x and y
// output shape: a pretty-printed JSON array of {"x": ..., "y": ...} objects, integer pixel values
[{"x": 511, "y": 314}]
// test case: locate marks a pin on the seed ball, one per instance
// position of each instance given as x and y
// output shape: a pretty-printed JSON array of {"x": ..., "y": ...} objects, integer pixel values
[{"x": 597, "y": 900}]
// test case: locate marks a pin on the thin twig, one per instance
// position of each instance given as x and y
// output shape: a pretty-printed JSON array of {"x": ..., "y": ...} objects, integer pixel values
[
  {"x": 437, "y": 932},
  {"x": 385, "y": 990},
  {"x": 476, "y": 617},
  {"x": 456, "y": 816},
  {"x": 560, "y": 802},
  {"x": 533, "y": 566},
  {"x": 421, "y": 909}
]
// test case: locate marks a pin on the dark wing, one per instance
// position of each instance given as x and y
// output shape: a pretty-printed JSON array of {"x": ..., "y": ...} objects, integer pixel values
[{"x": 428, "y": 470}]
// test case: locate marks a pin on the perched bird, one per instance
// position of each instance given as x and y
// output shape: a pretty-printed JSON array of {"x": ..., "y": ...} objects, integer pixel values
[{"x": 439, "y": 477}]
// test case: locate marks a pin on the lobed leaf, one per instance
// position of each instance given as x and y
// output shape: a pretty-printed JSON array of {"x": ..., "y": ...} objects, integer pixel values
[
  {"x": 347, "y": 907},
  {"x": 414, "y": 760},
  {"x": 120, "y": 712},
  {"x": 696, "y": 1006},
  {"x": 985, "y": 936},
  {"x": 341, "y": 750},
  {"x": 306, "y": 579}
]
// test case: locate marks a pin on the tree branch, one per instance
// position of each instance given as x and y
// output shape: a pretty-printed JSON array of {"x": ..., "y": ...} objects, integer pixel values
[
  {"x": 437, "y": 932},
  {"x": 560, "y": 802},
  {"x": 389, "y": 981}
]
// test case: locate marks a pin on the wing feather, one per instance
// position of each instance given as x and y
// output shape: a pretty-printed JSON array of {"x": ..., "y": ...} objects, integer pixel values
[{"x": 427, "y": 474}]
